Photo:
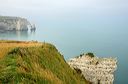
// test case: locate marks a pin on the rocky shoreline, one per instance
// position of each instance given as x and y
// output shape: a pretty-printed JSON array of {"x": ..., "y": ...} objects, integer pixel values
[{"x": 94, "y": 69}]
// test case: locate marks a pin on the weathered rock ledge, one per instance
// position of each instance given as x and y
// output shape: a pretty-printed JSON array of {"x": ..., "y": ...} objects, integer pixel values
[{"x": 94, "y": 69}]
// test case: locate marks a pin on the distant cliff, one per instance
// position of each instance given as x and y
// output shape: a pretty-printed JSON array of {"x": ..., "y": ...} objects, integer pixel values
[
  {"x": 13, "y": 23},
  {"x": 94, "y": 69}
]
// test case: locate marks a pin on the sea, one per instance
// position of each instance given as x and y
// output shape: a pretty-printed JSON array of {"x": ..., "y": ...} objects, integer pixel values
[{"x": 105, "y": 37}]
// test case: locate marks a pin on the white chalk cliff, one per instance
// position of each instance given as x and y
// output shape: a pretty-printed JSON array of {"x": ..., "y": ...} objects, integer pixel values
[
  {"x": 13, "y": 23},
  {"x": 94, "y": 69}
]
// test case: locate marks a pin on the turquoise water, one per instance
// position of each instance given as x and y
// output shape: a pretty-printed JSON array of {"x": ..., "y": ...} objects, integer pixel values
[{"x": 73, "y": 39}]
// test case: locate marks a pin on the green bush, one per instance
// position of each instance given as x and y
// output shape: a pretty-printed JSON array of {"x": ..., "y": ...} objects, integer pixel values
[{"x": 90, "y": 54}]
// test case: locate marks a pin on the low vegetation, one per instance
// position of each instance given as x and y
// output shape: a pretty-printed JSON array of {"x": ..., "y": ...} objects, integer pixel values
[
  {"x": 90, "y": 54},
  {"x": 6, "y": 46},
  {"x": 34, "y": 63}
]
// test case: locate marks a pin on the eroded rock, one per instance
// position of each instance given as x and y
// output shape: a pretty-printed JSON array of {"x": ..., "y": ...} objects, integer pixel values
[{"x": 96, "y": 70}]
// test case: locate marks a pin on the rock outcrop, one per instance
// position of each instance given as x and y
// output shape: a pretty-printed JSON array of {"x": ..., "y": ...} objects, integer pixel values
[
  {"x": 94, "y": 69},
  {"x": 13, "y": 23}
]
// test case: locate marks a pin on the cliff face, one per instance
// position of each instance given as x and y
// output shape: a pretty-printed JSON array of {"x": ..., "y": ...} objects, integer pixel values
[
  {"x": 96, "y": 70},
  {"x": 13, "y": 23}
]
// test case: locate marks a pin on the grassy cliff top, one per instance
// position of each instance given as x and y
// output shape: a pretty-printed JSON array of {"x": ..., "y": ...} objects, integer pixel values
[
  {"x": 6, "y": 46},
  {"x": 34, "y": 63}
]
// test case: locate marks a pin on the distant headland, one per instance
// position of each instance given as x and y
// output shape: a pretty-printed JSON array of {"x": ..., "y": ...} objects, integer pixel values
[{"x": 9, "y": 23}]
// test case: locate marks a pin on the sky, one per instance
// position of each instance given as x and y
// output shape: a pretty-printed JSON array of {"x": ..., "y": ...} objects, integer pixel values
[
  {"x": 64, "y": 8},
  {"x": 68, "y": 12}
]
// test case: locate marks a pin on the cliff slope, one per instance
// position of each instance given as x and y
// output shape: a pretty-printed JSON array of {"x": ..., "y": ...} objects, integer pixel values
[{"x": 35, "y": 63}]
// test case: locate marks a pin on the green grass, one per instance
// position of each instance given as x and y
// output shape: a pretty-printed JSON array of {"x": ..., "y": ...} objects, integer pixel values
[{"x": 37, "y": 65}]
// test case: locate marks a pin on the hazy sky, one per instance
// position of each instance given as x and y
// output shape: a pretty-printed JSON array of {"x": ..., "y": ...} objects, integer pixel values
[
  {"x": 58, "y": 7},
  {"x": 66, "y": 9}
]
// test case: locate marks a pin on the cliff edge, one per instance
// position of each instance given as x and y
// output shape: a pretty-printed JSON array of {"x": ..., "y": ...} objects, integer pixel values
[{"x": 34, "y": 63}]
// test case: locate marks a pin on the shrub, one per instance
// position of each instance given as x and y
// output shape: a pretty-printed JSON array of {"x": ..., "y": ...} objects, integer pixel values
[{"x": 90, "y": 54}]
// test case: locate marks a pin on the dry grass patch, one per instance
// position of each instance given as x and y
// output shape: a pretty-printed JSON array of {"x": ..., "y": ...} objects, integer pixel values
[{"x": 6, "y": 46}]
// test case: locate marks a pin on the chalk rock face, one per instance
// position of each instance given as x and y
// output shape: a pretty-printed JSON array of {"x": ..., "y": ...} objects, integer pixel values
[
  {"x": 13, "y": 23},
  {"x": 94, "y": 69}
]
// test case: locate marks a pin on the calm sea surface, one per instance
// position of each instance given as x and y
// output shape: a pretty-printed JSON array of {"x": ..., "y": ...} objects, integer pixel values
[{"x": 104, "y": 39}]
